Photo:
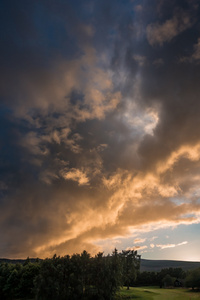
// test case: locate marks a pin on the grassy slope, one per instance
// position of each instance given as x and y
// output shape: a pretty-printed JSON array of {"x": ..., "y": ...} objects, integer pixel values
[{"x": 154, "y": 293}]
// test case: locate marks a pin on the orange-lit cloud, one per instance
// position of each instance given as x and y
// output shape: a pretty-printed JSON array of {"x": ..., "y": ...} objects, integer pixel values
[
  {"x": 76, "y": 175},
  {"x": 139, "y": 241},
  {"x": 140, "y": 247},
  {"x": 100, "y": 143}
]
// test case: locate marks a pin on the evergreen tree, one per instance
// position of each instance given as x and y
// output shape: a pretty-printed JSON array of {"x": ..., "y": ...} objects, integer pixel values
[{"x": 131, "y": 265}]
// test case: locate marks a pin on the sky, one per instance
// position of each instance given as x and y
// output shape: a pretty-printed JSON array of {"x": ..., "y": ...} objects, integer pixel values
[{"x": 100, "y": 118}]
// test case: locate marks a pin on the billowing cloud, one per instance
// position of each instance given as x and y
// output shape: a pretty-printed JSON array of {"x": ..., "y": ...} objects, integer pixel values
[
  {"x": 99, "y": 139},
  {"x": 157, "y": 33},
  {"x": 76, "y": 175}
]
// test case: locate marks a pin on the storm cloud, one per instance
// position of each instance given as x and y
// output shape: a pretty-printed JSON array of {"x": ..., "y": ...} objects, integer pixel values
[{"x": 99, "y": 122}]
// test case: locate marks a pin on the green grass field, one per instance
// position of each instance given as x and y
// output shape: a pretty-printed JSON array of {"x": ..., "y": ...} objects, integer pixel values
[{"x": 151, "y": 293}]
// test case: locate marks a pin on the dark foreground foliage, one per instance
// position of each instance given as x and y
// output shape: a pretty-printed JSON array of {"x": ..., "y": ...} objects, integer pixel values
[
  {"x": 166, "y": 277},
  {"x": 170, "y": 277},
  {"x": 193, "y": 279},
  {"x": 75, "y": 277}
]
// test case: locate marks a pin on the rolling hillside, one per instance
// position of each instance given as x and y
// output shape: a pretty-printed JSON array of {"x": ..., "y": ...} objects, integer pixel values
[
  {"x": 156, "y": 265},
  {"x": 16, "y": 261}
]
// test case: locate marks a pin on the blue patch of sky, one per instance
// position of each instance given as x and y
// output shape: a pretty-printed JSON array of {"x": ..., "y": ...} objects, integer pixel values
[
  {"x": 175, "y": 236},
  {"x": 177, "y": 200},
  {"x": 172, "y": 235}
]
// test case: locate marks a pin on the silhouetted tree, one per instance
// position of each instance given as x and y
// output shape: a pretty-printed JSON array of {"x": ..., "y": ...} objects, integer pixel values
[
  {"x": 76, "y": 277},
  {"x": 168, "y": 281},
  {"x": 27, "y": 275},
  {"x": 131, "y": 265},
  {"x": 147, "y": 278},
  {"x": 193, "y": 279}
]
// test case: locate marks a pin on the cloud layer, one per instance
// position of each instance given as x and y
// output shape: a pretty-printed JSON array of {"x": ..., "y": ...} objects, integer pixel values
[{"x": 99, "y": 117}]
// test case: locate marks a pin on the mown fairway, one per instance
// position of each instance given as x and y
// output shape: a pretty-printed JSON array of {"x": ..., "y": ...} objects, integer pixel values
[{"x": 151, "y": 293}]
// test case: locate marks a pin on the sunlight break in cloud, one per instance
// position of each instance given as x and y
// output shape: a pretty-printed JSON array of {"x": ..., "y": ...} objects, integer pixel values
[
  {"x": 185, "y": 151},
  {"x": 76, "y": 175}
]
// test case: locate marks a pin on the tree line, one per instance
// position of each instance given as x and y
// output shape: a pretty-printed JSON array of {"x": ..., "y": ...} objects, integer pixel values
[
  {"x": 75, "y": 277},
  {"x": 82, "y": 277},
  {"x": 169, "y": 277}
]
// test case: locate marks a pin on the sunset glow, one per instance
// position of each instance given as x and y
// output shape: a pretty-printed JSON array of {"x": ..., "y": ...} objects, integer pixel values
[{"x": 100, "y": 128}]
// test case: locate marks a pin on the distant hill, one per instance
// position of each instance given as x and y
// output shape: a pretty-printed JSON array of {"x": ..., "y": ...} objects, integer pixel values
[
  {"x": 157, "y": 265},
  {"x": 16, "y": 261}
]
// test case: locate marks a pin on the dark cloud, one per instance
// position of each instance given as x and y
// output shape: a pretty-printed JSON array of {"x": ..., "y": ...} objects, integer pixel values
[{"x": 99, "y": 118}]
